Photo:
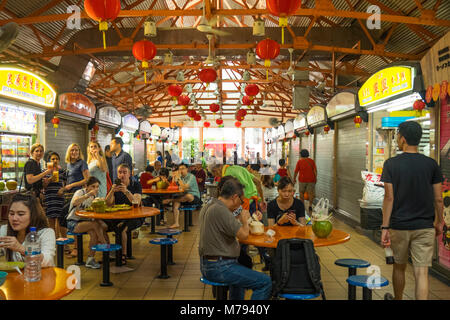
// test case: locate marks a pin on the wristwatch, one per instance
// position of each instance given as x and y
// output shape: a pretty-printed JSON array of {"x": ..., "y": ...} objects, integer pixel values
[{"x": 384, "y": 228}]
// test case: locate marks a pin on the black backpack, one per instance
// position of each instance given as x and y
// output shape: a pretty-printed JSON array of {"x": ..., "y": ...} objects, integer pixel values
[{"x": 296, "y": 269}]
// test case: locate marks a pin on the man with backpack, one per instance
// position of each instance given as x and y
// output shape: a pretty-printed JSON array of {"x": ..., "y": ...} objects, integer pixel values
[{"x": 219, "y": 249}]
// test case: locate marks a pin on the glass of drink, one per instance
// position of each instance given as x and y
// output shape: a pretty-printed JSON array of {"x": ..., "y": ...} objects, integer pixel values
[
  {"x": 56, "y": 176},
  {"x": 50, "y": 165}
]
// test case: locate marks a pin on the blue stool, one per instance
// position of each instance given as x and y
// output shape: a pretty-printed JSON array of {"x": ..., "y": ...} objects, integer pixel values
[
  {"x": 169, "y": 233},
  {"x": 79, "y": 236},
  {"x": 164, "y": 243},
  {"x": 106, "y": 249},
  {"x": 291, "y": 296},
  {"x": 220, "y": 290},
  {"x": 365, "y": 282},
  {"x": 188, "y": 216},
  {"x": 352, "y": 265},
  {"x": 60, "y": 243}
]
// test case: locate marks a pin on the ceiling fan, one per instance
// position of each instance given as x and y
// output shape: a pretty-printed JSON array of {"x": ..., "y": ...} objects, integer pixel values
[
  {"x": 211, "y": 60},
  {"x": 291, "y": 71},
  {"x": 207, "y": 26},
  {"x": 8, "y": 34}
]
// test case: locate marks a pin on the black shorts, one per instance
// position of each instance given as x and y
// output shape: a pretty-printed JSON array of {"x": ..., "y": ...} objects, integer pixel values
[{"x": 194, "y": 202}]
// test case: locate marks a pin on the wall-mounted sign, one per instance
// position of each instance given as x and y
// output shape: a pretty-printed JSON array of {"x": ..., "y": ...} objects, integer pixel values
[
  {"x": 130, "y": 122},
  {"x": 385, "y": 84},
  {"x": 300, "y": 122},
  {"x": 109, "y": 116},
  {"x": 165, "y": 134},
  {"x": 436, "y": 63},
  {"x": 25, "y": 86},
  {"x": 316, "y": 116},
  {"x": 340, "y": 104},
  {"x": 145, "y": 127},
  {"x": 156, "y": 130},
  {"x": 289, "y": 128},
  {"x": 280, "y": 132},
  {"x": 76, "y": 103},
  {"x": 17, "y": 119}
]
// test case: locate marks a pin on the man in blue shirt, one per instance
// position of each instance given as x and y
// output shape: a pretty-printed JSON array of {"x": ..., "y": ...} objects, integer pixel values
[
  {"x": 188, "y": 183},
  {"x": 119, "y": 156}
]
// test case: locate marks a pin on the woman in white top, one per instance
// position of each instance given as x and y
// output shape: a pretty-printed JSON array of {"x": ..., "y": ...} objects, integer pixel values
[
  {"x": 24, "y": 212},
  {"x": 270, "y": 192},
  {"x": 97, "y": 166},
  {"x": 95, "y": 228}
]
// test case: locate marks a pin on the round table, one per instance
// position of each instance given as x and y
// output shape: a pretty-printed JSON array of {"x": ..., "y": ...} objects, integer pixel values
[
  {"x": 54, "y": 285},
  {"x": 158, "y": 193},
  {"x": 282, "y": 232},
  {"x": 134, "y": 213}
]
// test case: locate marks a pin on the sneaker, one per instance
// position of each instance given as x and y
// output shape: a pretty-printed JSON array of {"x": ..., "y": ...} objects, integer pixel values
[
  {"x": 135, "y": 234},
  {"x": 91, "y": 263},
  {"x": 388, "y": 296}
]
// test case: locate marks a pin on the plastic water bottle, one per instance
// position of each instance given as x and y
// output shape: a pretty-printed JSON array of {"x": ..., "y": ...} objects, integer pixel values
[{"x": 32, "y": 256}]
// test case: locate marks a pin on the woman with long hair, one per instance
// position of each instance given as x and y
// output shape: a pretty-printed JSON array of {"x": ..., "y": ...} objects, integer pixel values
[
  {"x": 25, "y": 211},
  {"x": 77, "y": 168},
  {"x": 33, "y": 175},
  {"x": 97, "y": 166}
]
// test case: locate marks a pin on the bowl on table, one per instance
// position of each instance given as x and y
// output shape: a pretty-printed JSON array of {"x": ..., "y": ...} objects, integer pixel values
[{"x": 3, "y": 275}]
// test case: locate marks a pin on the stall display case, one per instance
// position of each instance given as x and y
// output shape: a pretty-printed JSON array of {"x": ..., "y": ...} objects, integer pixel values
[{"x": 14, "y": 154}]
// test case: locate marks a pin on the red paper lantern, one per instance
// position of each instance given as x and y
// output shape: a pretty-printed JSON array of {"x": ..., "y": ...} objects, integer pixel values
[
  {"x": 241, "y": 113},
  {"x": 419, "y": 105},
  {"x": 207, "y": 75},
  {"x": 357, "y": 120},
  {"x": 214, "y": 107},
  {"x": 237, "y": 124},
  {"x": 191, "y": 113},
  {"x": 102, "y": 11},
  {"x": 219, "y": 122},
  {"x": 326, "y": 129},
  {"x": 268, "y": 50},
  {"x": 175, "y": 91},
  {"x": 96, "y": 127},
  {"x": 197, "y": 117},
  {"x": 55, "y": 122},
  {"x": 239, "y": 118},
  {"x": 184, "y": 100},
  {"x": 246, "y": 101},
  {"x": 121, "y": 133},
  {"x": 307, "y": 133},
  {"x": 206, "y": 124},
  {"x": 144, "y": 51},
  {"x": 282, "y": 9},
  {"x": 252, "y": 90}
]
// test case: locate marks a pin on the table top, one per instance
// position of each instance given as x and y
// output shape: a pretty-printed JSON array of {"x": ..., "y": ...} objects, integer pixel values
[
  {"x": 134, "y": 213},
  {"x": 52, "y": 286},
  {"x": 160, "y": 191},
  {"x": 284, "y": 232}
]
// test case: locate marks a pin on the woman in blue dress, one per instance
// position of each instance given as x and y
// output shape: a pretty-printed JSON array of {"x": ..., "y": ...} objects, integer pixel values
[{"x": 97, "y": 166}]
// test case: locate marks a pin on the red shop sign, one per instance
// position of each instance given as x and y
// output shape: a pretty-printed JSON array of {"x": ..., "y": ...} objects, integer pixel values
[{"x": 76, "y": 103}]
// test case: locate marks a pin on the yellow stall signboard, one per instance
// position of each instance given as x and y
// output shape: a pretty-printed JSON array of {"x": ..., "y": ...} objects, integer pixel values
[
  {"x": 385, "y": 84},
  {"x": 25, "y": 86}
]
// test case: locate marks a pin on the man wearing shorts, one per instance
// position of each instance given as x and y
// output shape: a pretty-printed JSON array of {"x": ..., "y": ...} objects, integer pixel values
[
  {"x": 307, "y": 177},
  {"x": 412, "y": 210}
]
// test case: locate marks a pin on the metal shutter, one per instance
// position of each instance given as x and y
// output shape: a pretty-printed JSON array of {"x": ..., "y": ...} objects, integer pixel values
[
  {"x": 104, "y": 136},
  {"x": 294, "y": 155},
  {"x": 324, "y": 163},
  {"x": 68, "y": 132},
  {"x": 351, "y": 160},
  {"x": 139, "y": 155}
]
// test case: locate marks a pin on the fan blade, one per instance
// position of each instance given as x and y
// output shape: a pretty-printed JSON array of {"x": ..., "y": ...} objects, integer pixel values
[{"x": 220, "y": 33}]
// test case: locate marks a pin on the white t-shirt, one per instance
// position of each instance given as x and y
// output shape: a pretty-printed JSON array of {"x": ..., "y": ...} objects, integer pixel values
[
  {"x": 270, "y": 194},
  {"x": 48, "y": 246},
  {"x": 81, "y": 206}
]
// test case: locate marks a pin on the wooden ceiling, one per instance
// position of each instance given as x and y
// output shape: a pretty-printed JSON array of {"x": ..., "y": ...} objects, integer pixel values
[{"x": 408, "y": 29}]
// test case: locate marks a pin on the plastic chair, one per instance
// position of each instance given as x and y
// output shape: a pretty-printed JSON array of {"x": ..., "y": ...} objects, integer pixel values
[
  {"x": 164, "y": 243},
  {"x": 169, "y": 233},
  {"x": 352, "y": 265},
  {"x": 188, "y": 215},
  {"x": 60, "y": 243},
  {"x": 292, "y": 296},
  {"x": 368, "y": 283},
  {"x": 220, "y": 290},
  {"x": 106, "y": 249},
  {"x": 79, "y": 236}
]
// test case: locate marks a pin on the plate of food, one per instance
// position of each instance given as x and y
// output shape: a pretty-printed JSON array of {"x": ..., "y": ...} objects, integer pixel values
[
  {"x": 112, "y": 209},
  {"x": 10, "y": 265},
  {"x": 89, "y": 209},
  {"x": 122, "y": 207}
]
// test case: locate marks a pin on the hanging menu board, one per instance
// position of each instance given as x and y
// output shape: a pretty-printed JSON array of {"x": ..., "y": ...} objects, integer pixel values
[
  {"x": 76, "y": 103},
  {"x": 130, "y": 123},
  {"x": 17, "y": 119},
  {"x": 300, "y": 123},
  {"x": 289, "y": 128},
  {"x": 109, "y": 116},
  {"x": 316, "y": 116},
  {"x": 145, "y": 127},
  {"x": 341, "y": 105}
]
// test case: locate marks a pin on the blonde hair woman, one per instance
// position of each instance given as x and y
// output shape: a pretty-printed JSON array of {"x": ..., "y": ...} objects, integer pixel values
[
  {"x": 77, "y": 169},
  {"x": 97, "y": 166}
]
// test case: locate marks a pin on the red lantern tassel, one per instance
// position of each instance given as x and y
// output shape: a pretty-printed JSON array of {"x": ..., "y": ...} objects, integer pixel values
[{"x": 103, "y": 26}]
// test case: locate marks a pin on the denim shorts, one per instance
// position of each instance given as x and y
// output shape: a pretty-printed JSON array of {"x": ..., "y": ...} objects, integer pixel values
[{"x": 71, "y": 224}]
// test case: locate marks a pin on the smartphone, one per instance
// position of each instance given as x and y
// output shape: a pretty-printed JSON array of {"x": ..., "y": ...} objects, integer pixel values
[
  {"x": 117, "y": 181},
  {"x": 237, "y": 212}
]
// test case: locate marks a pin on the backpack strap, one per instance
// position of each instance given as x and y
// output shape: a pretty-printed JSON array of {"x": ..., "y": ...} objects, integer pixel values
[
  {"x": 311, "y": 262},
  {"x": 284, "y": 247}
]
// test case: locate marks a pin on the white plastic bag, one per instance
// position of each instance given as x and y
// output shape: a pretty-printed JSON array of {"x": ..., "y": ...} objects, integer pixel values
[
  {"x": 373, "y": 192},
  {"x": 321, "y": 210}
]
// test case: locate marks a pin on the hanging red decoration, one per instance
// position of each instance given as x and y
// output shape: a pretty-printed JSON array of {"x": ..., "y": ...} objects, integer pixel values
[
  {"x": 283, "y": 9},
  {"x": 214, "y": 107},
  {"x": 55, "y": 122},
  {"x": 191, "y": 113},
  {"x": 357, "y": 120},
  {"x": 237, "y": 124},
  {"x": 444, "y": 89},
  {"x": 102, "y": 11},
  {"x": 239, "y": 118},
  {"x": 175, "y": 91},
  {"x": 206, "y": 124},
  {"x": 419, "y": 105},
  {"x": 197, "y": 117},
  {"x": 241, "y": 113},
  {"x": 246, "y": 101},
  {"x": 184, "y": 101},
  {"x": 429, "y": 94},
  {"x": 268, "y": 50},
  {"x": 252, "y": 90},
  {"x": 326, "y": 129},
  {"x": 307, "y": 133},
  {"x": 121, "y": 133},
  {"x": 207, "y": 75},
  {"x": 96, "y": 127},
  {"x": 144, "y": 51},
  {"x": 219, "y": 122}
]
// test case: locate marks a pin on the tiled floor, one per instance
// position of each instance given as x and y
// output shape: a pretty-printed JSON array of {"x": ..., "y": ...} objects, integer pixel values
[{"x": 184, "y": 280}]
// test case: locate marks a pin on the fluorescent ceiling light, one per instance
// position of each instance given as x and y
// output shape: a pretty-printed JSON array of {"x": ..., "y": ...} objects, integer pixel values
[{"x": 396, "y": 105}]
